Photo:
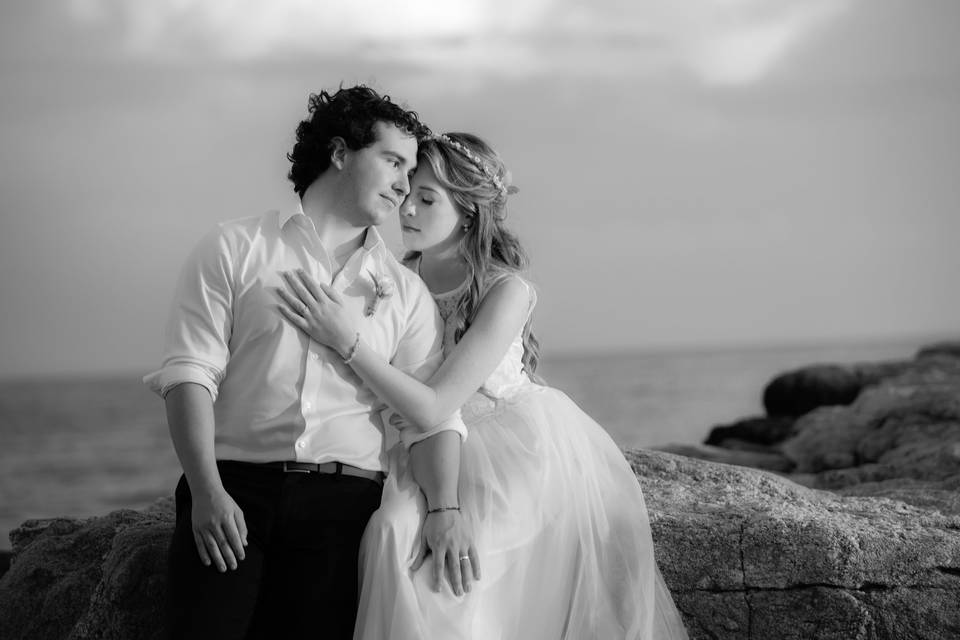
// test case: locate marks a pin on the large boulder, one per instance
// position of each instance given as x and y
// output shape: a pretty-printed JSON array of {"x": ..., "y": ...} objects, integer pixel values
[
  {"x": 100, "y": 577},
  {"x": 746, "y": 553},
  {"x": 948, "y": 348},
  {"x": 749, "y": 554},
  {"x": 906, "y": 428},
  {"x": 755, "y": 433},
  {"x": 795, "y": 393}
]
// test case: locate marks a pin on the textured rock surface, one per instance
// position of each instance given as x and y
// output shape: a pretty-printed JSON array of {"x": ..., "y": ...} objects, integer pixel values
[
  {"x": 95, "y": 578},
  {"x": 747, "y": 554},
  {"x": 899, "y": 439}
]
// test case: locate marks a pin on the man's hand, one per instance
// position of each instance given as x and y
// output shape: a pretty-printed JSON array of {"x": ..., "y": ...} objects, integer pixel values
[
  {"x": 219, "y": 530},
  {"x": 446, "y": 536}
]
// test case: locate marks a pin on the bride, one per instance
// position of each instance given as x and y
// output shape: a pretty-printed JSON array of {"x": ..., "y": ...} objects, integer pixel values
[{"x": 558, "y": 516}]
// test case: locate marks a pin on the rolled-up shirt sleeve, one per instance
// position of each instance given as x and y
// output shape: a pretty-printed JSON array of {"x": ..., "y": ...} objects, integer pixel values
[
  {"x": 198, "y": 328},
  {"x": 420, "y": 354}
]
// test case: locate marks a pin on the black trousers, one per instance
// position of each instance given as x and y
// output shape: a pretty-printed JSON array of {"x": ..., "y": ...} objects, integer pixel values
[{"x": 299, "y": 577}]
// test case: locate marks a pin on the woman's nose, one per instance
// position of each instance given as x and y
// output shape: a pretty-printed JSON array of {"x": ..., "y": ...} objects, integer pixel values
[{"x": 406, "y": 207}]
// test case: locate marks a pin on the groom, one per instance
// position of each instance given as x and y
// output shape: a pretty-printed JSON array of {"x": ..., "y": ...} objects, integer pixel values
[{"x": 282, "y": 446}]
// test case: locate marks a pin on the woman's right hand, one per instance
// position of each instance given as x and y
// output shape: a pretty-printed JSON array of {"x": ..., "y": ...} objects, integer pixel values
[{"x": 317, "y": 310}]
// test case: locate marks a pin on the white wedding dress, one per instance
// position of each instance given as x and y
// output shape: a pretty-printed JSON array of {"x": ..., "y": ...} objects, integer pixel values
[{"x": 559, "y": 522}]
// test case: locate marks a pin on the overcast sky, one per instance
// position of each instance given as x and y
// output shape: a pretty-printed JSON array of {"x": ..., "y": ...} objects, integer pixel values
[{"x": 710, "y": 173}]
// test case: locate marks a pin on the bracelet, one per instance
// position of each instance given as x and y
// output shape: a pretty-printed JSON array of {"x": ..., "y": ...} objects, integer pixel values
[
  {"x": 353, "y": 350},
  {"x": 439, "y": 509}
]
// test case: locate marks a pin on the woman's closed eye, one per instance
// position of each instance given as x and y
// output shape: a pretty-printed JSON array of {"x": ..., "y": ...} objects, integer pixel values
[{"x": 426, "y": 201}]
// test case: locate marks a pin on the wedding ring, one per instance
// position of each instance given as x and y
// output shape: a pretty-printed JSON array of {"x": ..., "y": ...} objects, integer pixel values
[{"x": 462, "y": 558}]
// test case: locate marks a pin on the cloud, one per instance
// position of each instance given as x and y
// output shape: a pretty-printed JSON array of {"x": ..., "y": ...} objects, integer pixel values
[{"x": 718, "y": 42}]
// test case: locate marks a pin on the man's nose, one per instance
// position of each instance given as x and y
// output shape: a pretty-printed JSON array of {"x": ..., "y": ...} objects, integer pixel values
[
  {"x": 402, "y": 185},
  {"x": 406, "y": 207}
]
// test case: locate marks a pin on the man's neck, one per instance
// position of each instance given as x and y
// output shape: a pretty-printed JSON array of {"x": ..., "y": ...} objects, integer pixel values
[{"x": 339, "y": 238}]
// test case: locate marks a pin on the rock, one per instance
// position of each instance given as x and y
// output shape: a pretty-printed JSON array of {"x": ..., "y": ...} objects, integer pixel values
[
  {"x": 906, "y": 427},
  {"x": 761, "y": 430},
  {"x": 798, "y": 392},
  {"x": 770, "y": 460},
  {"x": 747, "y": 554},
  {"x": 96, "y": 578},
  {"x": 951, "y": 349}
]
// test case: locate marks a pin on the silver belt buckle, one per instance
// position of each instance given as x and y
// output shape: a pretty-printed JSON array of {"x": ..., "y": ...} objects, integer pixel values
[{"x": 287, "y": 469}]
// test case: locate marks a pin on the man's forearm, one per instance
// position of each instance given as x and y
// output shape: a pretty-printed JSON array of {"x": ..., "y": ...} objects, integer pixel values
[
  {"x": 436, "y": 468},
  {"x": 191, "y": 423}
]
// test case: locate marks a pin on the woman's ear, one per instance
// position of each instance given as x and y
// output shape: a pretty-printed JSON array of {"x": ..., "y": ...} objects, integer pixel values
[{"x": 338, "y": 152}]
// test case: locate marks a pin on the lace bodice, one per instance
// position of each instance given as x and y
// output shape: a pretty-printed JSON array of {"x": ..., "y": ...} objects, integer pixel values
[{"x": 509, "y": 374}]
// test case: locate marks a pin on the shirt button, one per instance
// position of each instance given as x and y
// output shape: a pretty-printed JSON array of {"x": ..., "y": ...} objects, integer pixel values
[
  {"x": 307, "y": 406},
  {"x": 300, "y": 444},
  {"x": 315, "y": 355}
]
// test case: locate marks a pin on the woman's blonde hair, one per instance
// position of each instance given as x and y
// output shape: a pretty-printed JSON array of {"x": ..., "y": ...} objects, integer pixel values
[{"x": 479, "y": 183}]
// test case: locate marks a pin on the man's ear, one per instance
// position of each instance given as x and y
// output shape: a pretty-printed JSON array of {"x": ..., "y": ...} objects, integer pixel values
[{"x": 338, "y": 152}]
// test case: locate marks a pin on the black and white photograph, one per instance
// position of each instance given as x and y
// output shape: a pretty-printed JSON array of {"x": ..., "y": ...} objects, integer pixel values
[{"x": 480, "y": 320}]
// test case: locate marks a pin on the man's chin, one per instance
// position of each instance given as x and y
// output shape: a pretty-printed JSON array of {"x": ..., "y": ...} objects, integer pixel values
[{"x": 375, "y": 219}]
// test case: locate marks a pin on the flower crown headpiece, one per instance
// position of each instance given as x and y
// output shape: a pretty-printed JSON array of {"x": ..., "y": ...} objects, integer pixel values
[{"x": 477, "y": 161}]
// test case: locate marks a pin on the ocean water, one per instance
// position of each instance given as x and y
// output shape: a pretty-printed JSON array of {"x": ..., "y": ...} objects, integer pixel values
[{"x": 86, "y": 446}]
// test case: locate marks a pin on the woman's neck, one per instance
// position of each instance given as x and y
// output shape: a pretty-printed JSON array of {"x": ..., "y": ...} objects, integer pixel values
[{"x": 443, "y": 272}]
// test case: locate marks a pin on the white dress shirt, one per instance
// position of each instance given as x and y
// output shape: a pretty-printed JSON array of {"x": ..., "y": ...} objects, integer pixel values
[{"x": 279, "y": 395}]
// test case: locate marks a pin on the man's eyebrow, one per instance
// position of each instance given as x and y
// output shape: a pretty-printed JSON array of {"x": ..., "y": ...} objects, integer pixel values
[{"x": 399, "y": 156}]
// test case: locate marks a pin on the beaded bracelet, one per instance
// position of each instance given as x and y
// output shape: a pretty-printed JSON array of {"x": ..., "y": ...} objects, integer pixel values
[
  {"x": 439, "y": 509},
  {"x": 353, "y": 350}
]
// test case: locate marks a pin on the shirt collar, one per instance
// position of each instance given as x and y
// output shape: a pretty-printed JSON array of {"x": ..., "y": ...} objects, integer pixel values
[
  {"x": 369, "y": 260},
  {"x": 372, "y": 249},
  {"x": 372, "y": 240},
  {"x": 286, "y": 215}
]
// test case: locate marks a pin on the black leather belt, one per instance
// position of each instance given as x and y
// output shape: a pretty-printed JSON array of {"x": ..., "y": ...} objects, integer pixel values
[{"x": 333, "y": 468}]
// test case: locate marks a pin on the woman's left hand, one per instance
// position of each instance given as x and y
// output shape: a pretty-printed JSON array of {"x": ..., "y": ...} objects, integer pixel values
[{"x": 317, "y": 310}]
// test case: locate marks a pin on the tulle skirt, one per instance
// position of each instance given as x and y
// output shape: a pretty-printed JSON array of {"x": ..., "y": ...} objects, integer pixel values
[{"x": 560, "y": 526}]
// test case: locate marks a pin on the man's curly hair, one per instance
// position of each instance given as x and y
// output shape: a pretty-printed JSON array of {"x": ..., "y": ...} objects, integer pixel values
[{"x": 349, "y": 114}]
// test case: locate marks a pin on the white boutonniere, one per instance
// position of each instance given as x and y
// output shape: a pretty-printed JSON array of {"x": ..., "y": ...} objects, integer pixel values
[{"x": 383, "y": 287}]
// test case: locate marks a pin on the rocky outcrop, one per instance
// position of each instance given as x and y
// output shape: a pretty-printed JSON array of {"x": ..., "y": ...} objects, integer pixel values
[
  {"x": 900, "y": 433},
  {"x": 887, "y": 434},
  {"x": 757, "y": 432},
  {"x": 95, "y": 578},
  {"x": 750, "y": 554},
  {"x": 899, "y": 439},
  {"x": 940, "y": 349},
  {"x": 746, "y": 553}
]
